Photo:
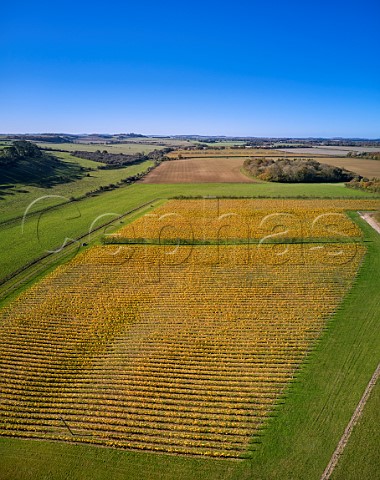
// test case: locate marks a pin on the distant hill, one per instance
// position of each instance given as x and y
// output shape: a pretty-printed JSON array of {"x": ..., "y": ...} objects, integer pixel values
[
  {"x": 71, "y": 138},
  {"x": 43, "y": 137},
  {"x": 265, "y": 142},
  {"x": 24, "y": 163}
]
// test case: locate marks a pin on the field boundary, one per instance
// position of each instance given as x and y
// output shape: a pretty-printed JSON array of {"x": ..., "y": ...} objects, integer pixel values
[
  {"x": 354, "y": 420},
  {"x": 246, "y": 155},
  {"x": 114, "y": 240},
  {"x": 269, "y": 197}
]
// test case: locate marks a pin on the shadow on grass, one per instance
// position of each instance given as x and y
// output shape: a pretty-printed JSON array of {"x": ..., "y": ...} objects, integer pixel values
[{"x": 44, "y": 172}]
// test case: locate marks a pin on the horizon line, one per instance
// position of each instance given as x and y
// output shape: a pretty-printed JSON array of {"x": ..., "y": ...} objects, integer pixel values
[{"x": 135, "y": 134}]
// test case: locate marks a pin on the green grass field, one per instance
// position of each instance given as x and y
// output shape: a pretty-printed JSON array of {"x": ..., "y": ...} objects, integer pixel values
[
  {"x": 57, "y": 461},
  {"x": 136, "y": 145},
  {"x": 13, "y": 203},
  {"x": 83, "y": 162},
  {"x": 127, "y": 148},
  {"x": 357, "y": 457}
]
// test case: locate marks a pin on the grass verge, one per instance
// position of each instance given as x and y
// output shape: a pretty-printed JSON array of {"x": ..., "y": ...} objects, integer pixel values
[{"x": 357, "y": 458}]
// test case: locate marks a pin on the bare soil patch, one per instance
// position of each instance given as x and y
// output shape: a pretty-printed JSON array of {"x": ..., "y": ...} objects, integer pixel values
[
  {"x": 364, "y": 167},
  {"x": 230, "y": 153},
  {"x": 330, "y": 150},
  {"x": 200, "y": 170}
]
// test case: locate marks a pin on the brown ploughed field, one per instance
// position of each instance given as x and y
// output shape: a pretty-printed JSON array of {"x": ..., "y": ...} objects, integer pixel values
[
  {"x": 199, "y": 170},
  {"x": 228, "y": 152},
  {"x": 362, "y": 166}
]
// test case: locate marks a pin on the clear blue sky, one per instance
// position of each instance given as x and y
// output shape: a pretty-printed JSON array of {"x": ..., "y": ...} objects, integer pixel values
[{"x": 260, "y": 68}]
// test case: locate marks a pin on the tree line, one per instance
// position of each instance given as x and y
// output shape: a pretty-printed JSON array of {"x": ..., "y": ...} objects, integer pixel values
[{"x": 118, "y": 160}]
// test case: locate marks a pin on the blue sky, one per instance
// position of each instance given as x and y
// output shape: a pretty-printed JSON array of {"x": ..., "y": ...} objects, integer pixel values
[{"x": 273, "y": 68}]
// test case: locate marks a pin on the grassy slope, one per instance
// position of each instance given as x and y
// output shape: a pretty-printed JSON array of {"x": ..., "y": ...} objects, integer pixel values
[
  {"x": 14, "y": 204},
  {"x": 83, "y": 162},
  {"x": 44, "y": 172},
  {"x": 298, "y": 441}
]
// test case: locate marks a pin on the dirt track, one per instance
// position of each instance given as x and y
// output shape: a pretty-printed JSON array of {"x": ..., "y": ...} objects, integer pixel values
[
  {"x": 370, "y": 220},
  {"x": 199, "y": 170}
]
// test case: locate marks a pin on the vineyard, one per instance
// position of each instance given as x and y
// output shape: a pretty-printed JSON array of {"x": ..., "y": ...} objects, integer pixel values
[
  {"x": 217, "y": 219},
  {"x": 184, "y": 349}
]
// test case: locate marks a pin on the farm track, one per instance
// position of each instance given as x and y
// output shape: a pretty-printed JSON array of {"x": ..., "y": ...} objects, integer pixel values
[{"x": 370, "y": 220}]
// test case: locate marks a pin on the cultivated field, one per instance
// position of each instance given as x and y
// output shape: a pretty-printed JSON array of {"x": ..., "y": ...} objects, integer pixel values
[
  {"x": 364, "y": 167},
  {"x": 213, "y": 165},
  {"x": 323, "y": 398},
  {"x": 115, "y": 317},
  {"x": 340, "y": 151},
  {"x": 226, "y": 159},
  {"x": 243, "y": 220},
  {"x": 183, "y": 350},
  {"x": 199, "y": 170},
  {"x": 256, "y": 152},
  {"x": 227, "y": 152}
]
